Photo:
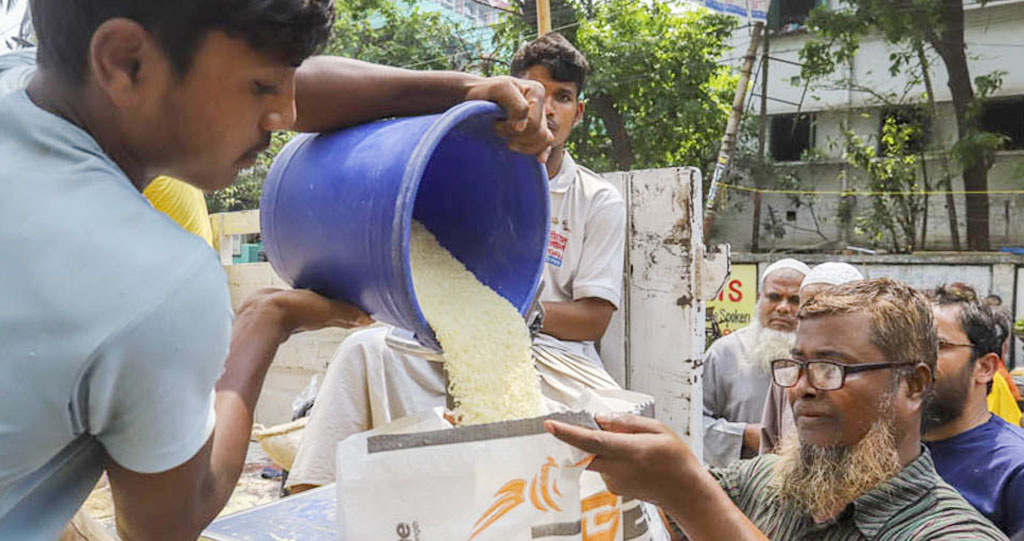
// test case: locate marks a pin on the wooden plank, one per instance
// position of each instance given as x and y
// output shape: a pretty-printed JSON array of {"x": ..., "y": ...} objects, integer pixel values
[{"x": 664, "y": 337}]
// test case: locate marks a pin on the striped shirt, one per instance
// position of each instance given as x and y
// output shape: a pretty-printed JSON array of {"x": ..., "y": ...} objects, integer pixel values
[{"x": 915, "y": 504}]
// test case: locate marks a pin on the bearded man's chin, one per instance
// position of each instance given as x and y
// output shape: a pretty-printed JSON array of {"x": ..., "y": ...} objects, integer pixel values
[{"x": 822, "y": 480}]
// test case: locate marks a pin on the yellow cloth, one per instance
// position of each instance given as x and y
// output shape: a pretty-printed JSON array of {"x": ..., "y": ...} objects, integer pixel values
[
  {"x": 184, "y": 203},
  {"x": 1001, "y": 402}
]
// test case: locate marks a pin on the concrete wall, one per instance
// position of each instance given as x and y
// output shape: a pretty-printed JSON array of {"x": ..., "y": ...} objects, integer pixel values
[
  {"x": 999, "y": 274},
  {"x": 1006, "y": 212}
]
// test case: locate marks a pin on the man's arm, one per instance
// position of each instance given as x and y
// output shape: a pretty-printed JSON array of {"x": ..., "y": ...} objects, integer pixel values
[
  {"x": 334, "y": 92},
  {"x": 179, "y": 503},
  {"x": 642, "y": 458},
  {"x": 724, "y": 440},
  {"x": 579, "y": 320}
]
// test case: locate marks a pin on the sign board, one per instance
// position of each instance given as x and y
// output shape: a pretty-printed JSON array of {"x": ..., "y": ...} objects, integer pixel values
[
  {"x": 735, "y": 306},
  {"x": 756, "y": 10}
]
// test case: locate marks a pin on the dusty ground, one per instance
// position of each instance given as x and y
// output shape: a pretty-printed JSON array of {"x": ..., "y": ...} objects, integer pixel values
[{"x": 252, "y": 490}]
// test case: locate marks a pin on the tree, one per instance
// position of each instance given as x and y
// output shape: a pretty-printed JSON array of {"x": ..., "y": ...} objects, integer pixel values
[
  {"x": 914, "y": 25},
  {"x": 892, "y": 178},
  {"x": 401, "y": 33},
  {"x": 657, "y": 94}
]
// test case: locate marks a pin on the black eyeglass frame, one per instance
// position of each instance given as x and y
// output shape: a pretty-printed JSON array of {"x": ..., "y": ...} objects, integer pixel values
[{"x": 844, "y": 370}]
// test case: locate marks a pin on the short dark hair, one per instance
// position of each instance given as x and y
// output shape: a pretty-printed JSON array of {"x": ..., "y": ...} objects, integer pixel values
[
  {"x": 902, "y": 326},
  {"x": 986, "y": 326},
  {"x": 289, "y": 29},
  {"x": 565, "y": 62}
]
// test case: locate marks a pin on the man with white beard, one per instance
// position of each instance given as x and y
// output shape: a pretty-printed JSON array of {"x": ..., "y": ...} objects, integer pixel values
[{"x": 737, "y": 366}]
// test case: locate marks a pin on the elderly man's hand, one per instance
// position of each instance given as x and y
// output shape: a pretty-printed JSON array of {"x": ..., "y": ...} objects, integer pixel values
[
  {"x": 637, "y": 457},
  {"x": 523, "y": 101}
]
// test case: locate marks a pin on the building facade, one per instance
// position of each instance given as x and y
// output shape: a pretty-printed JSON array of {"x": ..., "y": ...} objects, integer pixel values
[{"x": 805, "y": 141}]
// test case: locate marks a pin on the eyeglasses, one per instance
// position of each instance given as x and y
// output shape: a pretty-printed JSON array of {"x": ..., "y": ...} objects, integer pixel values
[
  {"x": 822, "y": 375},
  {"x": 947, "y": 345}
]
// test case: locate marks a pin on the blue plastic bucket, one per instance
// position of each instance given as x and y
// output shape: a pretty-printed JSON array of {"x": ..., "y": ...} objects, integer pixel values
[{"x": 337, "y": 207}]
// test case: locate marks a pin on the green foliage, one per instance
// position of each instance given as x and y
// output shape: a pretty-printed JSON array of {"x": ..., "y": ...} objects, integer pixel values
[
  {"x": 655, "y": 72},
  {"x": 892, "y": 174},
  {"x": 401, "y": 33},
  {"x": 660, "y": 69}
]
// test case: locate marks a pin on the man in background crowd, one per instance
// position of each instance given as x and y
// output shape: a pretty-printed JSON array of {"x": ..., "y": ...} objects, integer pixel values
[
  {"x": 736, "y": 367},
  {"x": 977, "y": 452},
  {"x": 777, "y": 418}
]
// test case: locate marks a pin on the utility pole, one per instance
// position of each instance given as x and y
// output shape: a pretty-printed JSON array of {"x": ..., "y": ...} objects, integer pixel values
[
  {"x": 762, "y": 135},
  {"x": 732, "y": 128},
  {"x": 543, "y": 17}
]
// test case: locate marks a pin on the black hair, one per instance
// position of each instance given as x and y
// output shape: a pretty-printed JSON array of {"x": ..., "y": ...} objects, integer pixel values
[
  {"x": 289, "y": 29},
  {"x": 986, "y": 326},
  {"x": 565, "y": 62}
]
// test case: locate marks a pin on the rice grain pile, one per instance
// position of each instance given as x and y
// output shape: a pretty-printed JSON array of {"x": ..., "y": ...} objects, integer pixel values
[{"x": 485, "y": 340}]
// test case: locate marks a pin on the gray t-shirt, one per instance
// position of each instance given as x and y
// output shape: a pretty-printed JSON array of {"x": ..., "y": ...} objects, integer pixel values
[{"x": 114, "y": 324}]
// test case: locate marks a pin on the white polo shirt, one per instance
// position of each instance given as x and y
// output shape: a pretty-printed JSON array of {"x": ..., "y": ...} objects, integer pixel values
[{"x": 585, "y": 246}]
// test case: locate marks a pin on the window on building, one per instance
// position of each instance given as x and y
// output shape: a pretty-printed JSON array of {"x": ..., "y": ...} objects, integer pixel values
[
  {"x": 789, "y": 14},
  {"x": 911, "y": 117},
  {"x": 1006, "y": 117},
  {"x": 791, "y": 136}
]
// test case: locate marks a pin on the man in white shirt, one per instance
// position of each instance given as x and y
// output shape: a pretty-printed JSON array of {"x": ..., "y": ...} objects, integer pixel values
[
  {"x": 369, "y": 384},
  {"x": 119, "y": 350}
]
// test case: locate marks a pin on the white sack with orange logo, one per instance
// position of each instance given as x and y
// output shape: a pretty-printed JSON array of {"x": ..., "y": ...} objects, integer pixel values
[
  {"x": 509, "y": 481},
  {"x": 605, "y": 516}
]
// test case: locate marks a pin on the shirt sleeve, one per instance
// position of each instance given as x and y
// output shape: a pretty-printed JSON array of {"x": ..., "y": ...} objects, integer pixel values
[
  {"x": 723, "y": 440},
  {"x": 151, "y": 387},
  {"x": 771, "y": 419},
  {"x": 600, "y": 271},
  {"x": 1012, "y": 505}
]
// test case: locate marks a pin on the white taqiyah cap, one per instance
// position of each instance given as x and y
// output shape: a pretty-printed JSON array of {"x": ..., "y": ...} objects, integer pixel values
[
  {"x": 786, "y": 264},
  {"x": 832, "y": 273}
]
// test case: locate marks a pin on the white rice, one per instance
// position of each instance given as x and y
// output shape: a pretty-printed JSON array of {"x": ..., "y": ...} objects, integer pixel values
[{"x": 485, "y": 340}]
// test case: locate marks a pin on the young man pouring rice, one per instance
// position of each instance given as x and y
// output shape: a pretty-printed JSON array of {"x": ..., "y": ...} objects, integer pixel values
[{"x": 121, "y": 352}]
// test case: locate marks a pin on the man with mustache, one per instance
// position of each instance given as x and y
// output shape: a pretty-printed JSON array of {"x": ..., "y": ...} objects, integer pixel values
[
  {"x": 737, "y": 366},
  {"x": 120, "y": 349},
  {"x": 977, "y": 452},
  {"x": 368, "y": 384},
  {"x": 859, "y": 376}
]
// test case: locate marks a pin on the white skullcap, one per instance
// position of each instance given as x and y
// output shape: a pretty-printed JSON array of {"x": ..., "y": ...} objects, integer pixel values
[
  {"x": 786, "y": 264},
  {"x": 832, "y": 273}
]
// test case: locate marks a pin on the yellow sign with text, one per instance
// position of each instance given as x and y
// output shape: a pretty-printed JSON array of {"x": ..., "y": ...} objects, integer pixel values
[{"x": 735, "y": 306}]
